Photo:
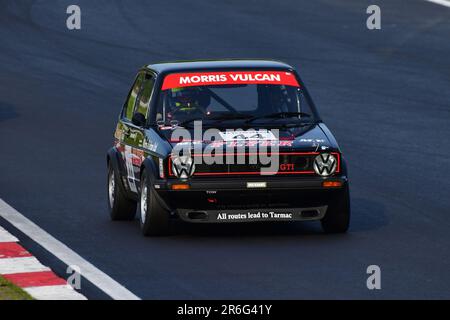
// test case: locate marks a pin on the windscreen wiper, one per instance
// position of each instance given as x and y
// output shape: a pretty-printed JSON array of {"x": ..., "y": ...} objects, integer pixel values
[{"x": 280, "y": 115}]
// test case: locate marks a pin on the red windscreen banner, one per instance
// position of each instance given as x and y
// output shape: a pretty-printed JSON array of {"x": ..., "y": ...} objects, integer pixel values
[{"x": 179, "y": 80}]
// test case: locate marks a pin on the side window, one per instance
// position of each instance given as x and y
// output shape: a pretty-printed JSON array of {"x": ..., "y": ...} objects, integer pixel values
[
  {"x": 144, "y": 96},
  {"x": 129, "y": 106}
]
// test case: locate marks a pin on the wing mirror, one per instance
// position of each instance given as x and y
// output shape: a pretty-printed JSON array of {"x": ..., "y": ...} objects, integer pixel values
[{"x": 138, "y": 119}]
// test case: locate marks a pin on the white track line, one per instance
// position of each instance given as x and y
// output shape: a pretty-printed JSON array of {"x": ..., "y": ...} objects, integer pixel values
[
  {"x": 97, "y": 277},
  {"x": 62, "y": 292},
  {"x": 21, "y": 265},
  {"x": 445, "y": 3}
]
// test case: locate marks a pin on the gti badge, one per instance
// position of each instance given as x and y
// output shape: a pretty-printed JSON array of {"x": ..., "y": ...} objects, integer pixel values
[
  {"x": 325, "y": 164},
  {"x": 183, "y": 166}
]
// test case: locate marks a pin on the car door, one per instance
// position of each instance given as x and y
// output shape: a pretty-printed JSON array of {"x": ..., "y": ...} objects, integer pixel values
[
  {"x": 133, "y": 134},
  {"x": 128, "y": 132},
  {"x": 137, "y": 132}
]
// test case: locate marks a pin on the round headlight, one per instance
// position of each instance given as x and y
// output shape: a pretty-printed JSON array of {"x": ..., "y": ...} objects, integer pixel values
[
  {"x": 325, "y": 164},
  {"x": 183, "y": 166}
]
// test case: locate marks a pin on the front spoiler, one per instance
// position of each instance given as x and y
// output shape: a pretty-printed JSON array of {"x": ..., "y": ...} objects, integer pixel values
[{"x": 252, "y": 215}]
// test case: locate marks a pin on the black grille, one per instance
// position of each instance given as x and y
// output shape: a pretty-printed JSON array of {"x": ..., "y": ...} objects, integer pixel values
[{"x": 289, "y": 164}]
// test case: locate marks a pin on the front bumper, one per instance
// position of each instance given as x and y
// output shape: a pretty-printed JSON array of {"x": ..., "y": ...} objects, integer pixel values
[
  {"x": 272, "y": 183},
  {"x": 231, "y": 200}
]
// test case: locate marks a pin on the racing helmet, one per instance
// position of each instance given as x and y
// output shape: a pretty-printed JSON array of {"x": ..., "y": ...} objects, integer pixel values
[{"x": 189, "y": 98}]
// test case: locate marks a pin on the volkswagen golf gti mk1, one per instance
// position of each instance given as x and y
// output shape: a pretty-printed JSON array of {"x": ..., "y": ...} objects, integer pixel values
[{"x": 223, "y": 142}]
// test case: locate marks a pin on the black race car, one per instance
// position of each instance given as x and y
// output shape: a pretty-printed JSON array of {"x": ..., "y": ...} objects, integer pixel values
[{"x": 224, "y": 141}]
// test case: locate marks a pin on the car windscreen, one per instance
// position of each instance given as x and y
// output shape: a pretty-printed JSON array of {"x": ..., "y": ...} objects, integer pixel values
[{"x": 231, "y": 96}]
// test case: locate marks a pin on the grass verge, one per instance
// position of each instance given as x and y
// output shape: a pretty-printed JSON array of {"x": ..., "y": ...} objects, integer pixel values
[{"x": 9, "y": 291}]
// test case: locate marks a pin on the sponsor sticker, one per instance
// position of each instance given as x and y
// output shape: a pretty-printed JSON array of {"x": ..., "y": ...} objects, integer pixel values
[
  {"x": 256, "y": 184},
  {"x": 247, "y": 135},
  {"x": 257, "y": 215},
  {"x": 251, "y": 143},
  {"x": 178, "y": 80}
]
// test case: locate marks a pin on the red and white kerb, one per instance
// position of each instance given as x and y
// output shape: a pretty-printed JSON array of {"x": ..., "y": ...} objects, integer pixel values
[
  {"x": 179, "y": 80},
  {"x": 21, "y": 268}
]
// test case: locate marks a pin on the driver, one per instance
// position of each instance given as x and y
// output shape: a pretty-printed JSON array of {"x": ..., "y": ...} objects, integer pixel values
[{"x": 187, "y": 102}]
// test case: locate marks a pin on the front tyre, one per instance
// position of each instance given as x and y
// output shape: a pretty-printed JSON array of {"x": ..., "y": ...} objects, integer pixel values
[
  {"x": 154, "y": 218},
  {"x": 337, "y": 217},
  {"x": 119, "y": 206}
]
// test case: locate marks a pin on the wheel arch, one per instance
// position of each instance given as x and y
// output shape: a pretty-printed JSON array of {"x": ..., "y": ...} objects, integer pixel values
[
  {"x": 113, "y": 158},
  {"x": 150, "y": 167}
]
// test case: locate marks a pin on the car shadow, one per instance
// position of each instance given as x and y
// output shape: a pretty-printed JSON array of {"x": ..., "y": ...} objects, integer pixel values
[{"x": 247, "y": 229}]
